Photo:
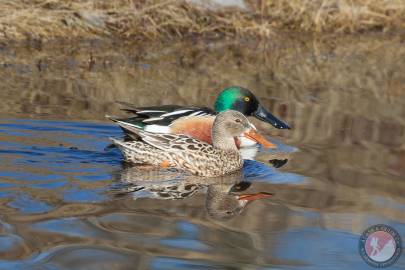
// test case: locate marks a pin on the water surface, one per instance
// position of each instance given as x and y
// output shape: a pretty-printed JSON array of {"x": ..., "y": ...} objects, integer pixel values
[{"x": 69, "y": 202}]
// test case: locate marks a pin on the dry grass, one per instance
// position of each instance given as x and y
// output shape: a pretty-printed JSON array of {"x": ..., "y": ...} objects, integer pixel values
[
  {"x": 338, "y": 15},
  {"x": 153, "y": 19}
]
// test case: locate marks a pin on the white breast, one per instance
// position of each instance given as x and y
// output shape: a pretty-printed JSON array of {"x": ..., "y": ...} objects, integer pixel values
[{"x": 245, "y": 142}]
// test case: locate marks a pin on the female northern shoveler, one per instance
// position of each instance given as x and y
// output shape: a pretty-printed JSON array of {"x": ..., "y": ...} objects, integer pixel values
[
  {"x": 197, "y": 121},
  {"x": 193, "y": 155}
]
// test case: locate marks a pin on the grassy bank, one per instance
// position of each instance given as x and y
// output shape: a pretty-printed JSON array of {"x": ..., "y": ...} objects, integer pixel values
[{"x": 153, "y": 19}]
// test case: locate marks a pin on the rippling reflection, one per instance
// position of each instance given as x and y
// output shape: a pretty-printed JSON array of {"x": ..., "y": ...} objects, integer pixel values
[{"x": 222, "y": 193}]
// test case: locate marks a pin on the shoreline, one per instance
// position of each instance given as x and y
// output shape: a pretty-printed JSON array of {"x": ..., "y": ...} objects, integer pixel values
[{"x": 147, "y": 21}]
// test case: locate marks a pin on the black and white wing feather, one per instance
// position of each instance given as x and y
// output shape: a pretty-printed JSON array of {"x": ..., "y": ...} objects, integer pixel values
[{"x": 162, "y": 115}]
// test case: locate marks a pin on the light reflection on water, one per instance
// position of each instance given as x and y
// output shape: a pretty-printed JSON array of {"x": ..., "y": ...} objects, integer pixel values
[{"x": 68, "y": 202}]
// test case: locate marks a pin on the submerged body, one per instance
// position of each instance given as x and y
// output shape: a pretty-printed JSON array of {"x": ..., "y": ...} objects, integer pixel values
[{"x": 190, "y": 154}]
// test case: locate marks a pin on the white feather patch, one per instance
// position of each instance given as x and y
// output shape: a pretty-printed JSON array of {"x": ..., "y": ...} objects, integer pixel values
[
  {"x": 149, "y": 111},
  {"x": 245, "y": 142},
  {"x": 195, "y": 113},
  {"x": 175, "y": 113},
  {"x": 152, "y": 119},
  {"x": 157, "y": 129},
  {"x": 249, "y": 152}
]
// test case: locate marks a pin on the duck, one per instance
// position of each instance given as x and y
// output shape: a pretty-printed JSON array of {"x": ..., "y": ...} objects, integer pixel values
[
  {"x": 197, "y": 121},
  {"x": 186, "y": 153}
]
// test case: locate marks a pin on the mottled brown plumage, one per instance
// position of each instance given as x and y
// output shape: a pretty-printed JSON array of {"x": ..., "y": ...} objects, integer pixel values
[{"x": 186, "y": 153}]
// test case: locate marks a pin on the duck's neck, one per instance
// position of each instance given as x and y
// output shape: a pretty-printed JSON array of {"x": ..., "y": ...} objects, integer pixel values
[{"x": 222, "y": 140}]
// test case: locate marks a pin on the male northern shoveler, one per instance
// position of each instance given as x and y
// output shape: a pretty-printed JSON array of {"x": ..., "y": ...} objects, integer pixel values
[
  {"x": 190, "y": 154},
  {"x": 197, "y": 121}
]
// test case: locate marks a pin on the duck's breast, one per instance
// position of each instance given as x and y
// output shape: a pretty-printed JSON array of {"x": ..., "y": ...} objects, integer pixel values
[{"x": 198, "y": 127}]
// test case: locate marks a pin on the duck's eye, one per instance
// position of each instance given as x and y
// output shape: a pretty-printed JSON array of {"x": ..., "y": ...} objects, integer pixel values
[
  {"x": 238, "y": 120},
  {"x": 247, "y": 99}
]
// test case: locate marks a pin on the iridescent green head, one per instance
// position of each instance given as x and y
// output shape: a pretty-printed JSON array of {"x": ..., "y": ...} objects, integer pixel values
[
  {"x": 241, "y": 99},
  {"x": 238, "y": 99}
]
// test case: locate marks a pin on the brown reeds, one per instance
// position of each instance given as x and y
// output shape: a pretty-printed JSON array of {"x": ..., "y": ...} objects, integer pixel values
[{"x": 168, "y": 19}]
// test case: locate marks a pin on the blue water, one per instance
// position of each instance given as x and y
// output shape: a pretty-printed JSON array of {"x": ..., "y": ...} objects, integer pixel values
[{"x": 68, "y": 201}]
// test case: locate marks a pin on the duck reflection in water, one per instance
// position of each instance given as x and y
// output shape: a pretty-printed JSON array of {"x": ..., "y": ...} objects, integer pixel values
[
  {"x": 223, "y": 201},
  {"x": 225, "y": 196}
]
